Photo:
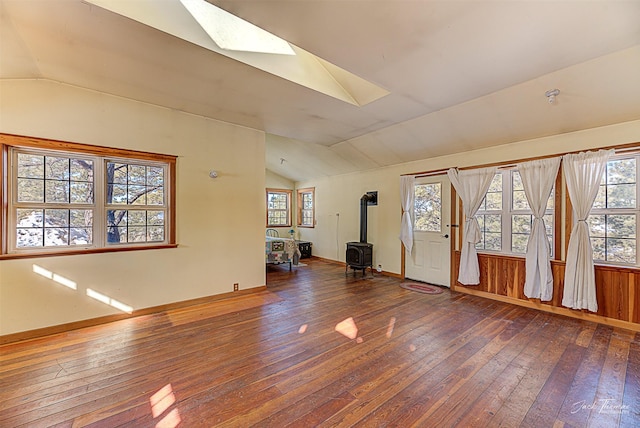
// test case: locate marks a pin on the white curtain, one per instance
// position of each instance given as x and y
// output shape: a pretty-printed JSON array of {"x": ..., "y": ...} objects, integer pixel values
[
  {"x": 583, "y": 172},
  {"x": 471, "y": 185},
  {"x": 538, "y": 177},
  {"x": 406, "y": 198}
]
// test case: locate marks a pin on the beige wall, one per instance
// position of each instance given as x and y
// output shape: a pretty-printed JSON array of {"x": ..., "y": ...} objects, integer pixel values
[
  {"x": 220, "y": 222},
  {"x": 341, "y": 194}
]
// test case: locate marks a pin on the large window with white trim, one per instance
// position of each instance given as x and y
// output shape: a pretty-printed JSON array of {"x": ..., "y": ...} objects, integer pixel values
[
  {"x": 72, "y": 197},
  {"x": 505, "y": 218},
  {"x": 613, "y": 222}
]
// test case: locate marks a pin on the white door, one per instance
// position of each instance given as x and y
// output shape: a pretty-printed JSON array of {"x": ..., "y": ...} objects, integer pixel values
[{"x": 430, "y": 259}]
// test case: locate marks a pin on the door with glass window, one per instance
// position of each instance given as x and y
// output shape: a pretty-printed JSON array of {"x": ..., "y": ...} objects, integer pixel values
[{"x": 430, "y": 259}]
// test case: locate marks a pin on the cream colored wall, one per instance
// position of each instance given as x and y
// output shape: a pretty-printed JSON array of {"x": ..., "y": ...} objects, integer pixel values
[
  {"x": 220, "y": 222},
  {"x": 341, "y": 194}
]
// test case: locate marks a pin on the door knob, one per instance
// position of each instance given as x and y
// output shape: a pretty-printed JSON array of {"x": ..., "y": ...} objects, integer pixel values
[{"x": 445, "y": 235}]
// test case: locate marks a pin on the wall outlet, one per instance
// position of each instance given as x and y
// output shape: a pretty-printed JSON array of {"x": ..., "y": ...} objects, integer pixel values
[
  {"x": 379, "y": 268},
  {"x": 235, "y": 286}
]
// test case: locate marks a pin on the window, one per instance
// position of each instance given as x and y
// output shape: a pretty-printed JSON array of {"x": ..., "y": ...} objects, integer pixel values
[
  {"x": 614, "y": 215},
  {"x": 306, "y": 207},
  {"x": 427, "y": 207},
  {"x": 64, "y": 197},
  {"x": 505, "y": 217},
  {"x": 278, "y": 208}
]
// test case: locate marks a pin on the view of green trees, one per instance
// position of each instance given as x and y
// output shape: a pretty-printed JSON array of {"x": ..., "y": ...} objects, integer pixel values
[
  {"x": 56, "y": 201},
  {"x": 428, "y": 207}
]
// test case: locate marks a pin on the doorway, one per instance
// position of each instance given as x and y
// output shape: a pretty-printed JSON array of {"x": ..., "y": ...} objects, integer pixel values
[{"x": 430, "y": 259}]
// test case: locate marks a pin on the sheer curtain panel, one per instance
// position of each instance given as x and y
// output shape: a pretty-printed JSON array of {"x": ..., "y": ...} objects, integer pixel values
[
  {"x": 471, "y": 185},
  {"x": 538, "y": 177},
  {"x": 583, "y": 172},
  {"x": 406, "y": 198}
]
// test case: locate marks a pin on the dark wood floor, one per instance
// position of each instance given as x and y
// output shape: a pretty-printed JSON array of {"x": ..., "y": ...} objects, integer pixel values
[{"x": 275, "y": 359}]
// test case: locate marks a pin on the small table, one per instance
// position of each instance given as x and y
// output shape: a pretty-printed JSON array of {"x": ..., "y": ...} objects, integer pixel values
[{"x": 305, "y": 248}]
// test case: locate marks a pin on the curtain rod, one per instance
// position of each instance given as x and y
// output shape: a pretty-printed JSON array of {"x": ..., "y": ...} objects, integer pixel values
[{"x": 629, "y": 148}]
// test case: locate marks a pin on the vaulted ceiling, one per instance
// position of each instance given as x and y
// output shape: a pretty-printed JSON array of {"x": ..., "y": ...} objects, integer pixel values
[{"x": 461, "y": 75}]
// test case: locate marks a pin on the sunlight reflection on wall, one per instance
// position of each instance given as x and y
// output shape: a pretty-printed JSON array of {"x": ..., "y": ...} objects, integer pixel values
[
  {"x": 109, "y": 301},
  {"x": 55, "y": 277}
]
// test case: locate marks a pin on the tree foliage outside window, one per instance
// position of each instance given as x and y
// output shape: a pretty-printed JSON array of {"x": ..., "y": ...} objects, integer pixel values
[
  {"x": 614, "y": 216},
  {"x": 427, "y": 207}
]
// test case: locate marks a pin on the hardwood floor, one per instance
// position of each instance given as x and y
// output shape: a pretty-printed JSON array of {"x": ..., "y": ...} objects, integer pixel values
[{"x": 275, "y": 359}]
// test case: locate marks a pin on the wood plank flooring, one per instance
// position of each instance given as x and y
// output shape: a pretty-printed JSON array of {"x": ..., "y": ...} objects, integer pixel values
[{"x": 275, "y": 359}]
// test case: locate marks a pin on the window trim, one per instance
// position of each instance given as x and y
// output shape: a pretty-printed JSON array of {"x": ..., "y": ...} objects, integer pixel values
[
  {"x": 507, "y": 212},
  {"x": 8, "y": 141},
  {"x": 614, "y": 211},
  {"x": 289, "y": 194},
  {"x": 300, "y": 193}
]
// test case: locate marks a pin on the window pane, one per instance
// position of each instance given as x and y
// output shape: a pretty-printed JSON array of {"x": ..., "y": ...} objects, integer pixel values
[
  {"x": 81, "y": 170},
  {"x": 156, "y": 234},
  {"x": 493, "y": 201},
  {"x": 596, "y": 226},
  {"x": 56, "y": 191},
  {"x": 428, "y": 207},
  {"x": 81, "y": 218},
  {"x": 493, "y": 241},
  {"x": 116, "y": 194},
  {"x": 137, "y": 195},
  {"x": 137, "y": 218},
  {"x": 155, "y": 197},
  {"x": 56, "y": 236},
  {"x": 30, "y": 190},
  {"x": 29, "y": 237},
  {"x": 621, "y": 196},
  {"x": 519, "y": 243},
  {"x": 137, "y": 174},
  {"x": 520, "y": 200},
  {"x": 56, "y": 218},
  {"x": 601, "y": 198},
  {"x": 621, "y": 171},
  {"x": 137, "y": 234},
  {"x": 155, "y": 176},
  {"x": 155, "y": 218},
  {"x": 56, "y": 168},
  {"x": 116, "y": 173},
  {"x": 621, "y": 250},
  {"x": 81, "y": 192},
  {"x": 598, "y": 248},
  {"x": 621, "y": 226},
  {"x": 30, "y": 166},
  {"x": 496, "y": 183},
  {"x": 521, "y": 223}
]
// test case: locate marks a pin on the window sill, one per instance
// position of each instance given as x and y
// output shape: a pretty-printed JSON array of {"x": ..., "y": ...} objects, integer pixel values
[{"x": 34, "y": 255}]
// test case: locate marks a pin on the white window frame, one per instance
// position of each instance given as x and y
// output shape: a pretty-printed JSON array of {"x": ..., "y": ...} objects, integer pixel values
[
  {"x": 622, "y": 211},
  {"x": 289, "y": 194},
  {"x": 506, "y": 214}
]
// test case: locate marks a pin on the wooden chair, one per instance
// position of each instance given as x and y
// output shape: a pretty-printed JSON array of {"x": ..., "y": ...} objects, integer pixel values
[{"x": 273, "y": 233}]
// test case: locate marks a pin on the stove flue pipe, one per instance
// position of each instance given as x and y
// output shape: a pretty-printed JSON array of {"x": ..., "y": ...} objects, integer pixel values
[{"x": 363, "y": 215}]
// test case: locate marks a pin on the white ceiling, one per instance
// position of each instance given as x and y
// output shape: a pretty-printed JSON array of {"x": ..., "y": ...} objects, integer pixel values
[{"x": 462, "y": 75}]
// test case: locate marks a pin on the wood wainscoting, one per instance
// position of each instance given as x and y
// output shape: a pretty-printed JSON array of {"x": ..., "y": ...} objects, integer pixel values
[{"x": 502, "y": 278}]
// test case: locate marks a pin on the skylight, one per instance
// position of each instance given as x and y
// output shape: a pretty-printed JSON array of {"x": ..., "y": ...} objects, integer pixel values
[
  {"x": 233, "y": 33},
  {"x": 208, "y": 26}
]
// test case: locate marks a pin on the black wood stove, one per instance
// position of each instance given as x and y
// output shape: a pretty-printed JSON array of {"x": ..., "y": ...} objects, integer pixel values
[{"x": 359, "y": 255}]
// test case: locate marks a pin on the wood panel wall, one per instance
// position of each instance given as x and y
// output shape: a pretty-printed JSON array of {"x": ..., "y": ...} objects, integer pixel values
[{"x": 617, "y": 289}]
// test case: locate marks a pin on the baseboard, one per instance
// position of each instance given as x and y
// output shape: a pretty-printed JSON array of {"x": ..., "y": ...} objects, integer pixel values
[
  {"x": 63, "y": 328},
  {"x": 587, "y": 316},
  {"x": 343, "y": 264}
]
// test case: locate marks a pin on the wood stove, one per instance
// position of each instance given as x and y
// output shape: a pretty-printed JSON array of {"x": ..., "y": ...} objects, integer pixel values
[{"x": 360, "y": 254}]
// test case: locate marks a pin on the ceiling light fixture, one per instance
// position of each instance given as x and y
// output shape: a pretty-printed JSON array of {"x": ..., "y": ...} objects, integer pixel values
[{"x": 551, "y": 95}]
